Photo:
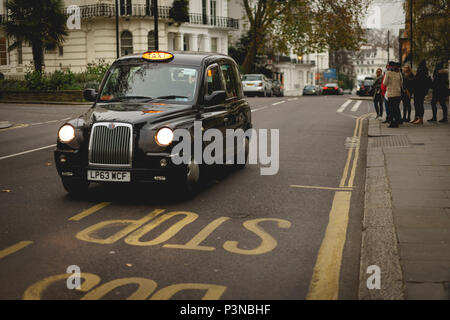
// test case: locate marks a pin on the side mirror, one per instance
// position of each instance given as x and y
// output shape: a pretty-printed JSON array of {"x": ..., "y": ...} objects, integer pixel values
[
  {"x": 90, "y": 95},
  {"x": 217, "y": 97}
]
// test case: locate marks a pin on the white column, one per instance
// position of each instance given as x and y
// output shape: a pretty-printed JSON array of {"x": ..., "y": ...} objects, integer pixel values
[
  {"x": 224, "y": 41},
  {"x": 193, "y": 43},
  {"x": 180, "y": 41},
  {"x": 206, "y": 42}
]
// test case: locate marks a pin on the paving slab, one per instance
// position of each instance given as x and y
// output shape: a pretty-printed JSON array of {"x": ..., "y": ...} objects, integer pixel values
[{"x": 406, "y": 224}]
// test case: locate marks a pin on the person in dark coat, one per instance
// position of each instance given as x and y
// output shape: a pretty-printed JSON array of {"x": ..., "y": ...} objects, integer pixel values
[
  {"x": 408, "y": 89},
  {"x": 422, "y": 84},
  {"x": 440, "y": 92},
  {"x": 377, "y": 96}
]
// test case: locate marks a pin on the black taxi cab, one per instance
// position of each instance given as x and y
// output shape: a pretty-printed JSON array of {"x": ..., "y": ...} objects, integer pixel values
[{"x": 127, "y": 134}]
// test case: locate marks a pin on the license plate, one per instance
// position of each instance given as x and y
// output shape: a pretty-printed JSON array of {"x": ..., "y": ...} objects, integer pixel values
[
  {"x": 112, "y": 176},
  {"x": 249, "y": 84}
]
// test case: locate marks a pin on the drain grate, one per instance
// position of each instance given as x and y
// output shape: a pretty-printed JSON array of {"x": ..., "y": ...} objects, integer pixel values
[{"x": 397, "y": 141}]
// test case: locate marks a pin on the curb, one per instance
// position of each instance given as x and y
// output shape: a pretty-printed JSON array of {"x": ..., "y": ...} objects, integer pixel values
[
  {"x": 379, "y": 238},
  {"x": 47, "y": 102}
]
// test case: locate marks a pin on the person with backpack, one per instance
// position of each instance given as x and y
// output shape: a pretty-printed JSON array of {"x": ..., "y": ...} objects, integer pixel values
[
  {"x": 440, "y": 92},
  {"x": 422, "y": 84}
]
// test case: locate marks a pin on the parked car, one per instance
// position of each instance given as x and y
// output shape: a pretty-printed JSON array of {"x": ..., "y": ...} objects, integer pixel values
[
  {"x": 256, "y": 84},
  {"x": 366, "y": 87},
  {"x": 127, "y": 136},
  {"x": 277, "y": 88},
  {"x": 312, "y": 90},
  {"x": 331, "y": 88}
]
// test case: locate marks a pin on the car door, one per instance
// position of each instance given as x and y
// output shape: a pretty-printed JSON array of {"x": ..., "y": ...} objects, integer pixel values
[
  {"x": 238, "y": 110},
  {"x": 214, "y": 116}
]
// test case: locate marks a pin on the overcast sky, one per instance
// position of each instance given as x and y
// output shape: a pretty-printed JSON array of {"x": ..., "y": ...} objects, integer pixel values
[{"x": 386, "y": 14}]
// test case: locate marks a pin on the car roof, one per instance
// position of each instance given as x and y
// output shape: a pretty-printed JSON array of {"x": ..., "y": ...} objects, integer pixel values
[{"x": 184, "y": 57}]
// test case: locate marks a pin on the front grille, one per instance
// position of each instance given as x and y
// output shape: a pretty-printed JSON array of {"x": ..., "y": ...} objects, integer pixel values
[{"x": 111, "y": 144}]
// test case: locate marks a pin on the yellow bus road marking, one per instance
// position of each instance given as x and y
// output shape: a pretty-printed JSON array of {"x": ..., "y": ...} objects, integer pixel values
[
  {"x": 89, "y": 211},
  {"x": 144, "y": 288},
  {"x": 355, "y": 159},
  {"x": 322, "y": 188},
  {"x": 349, "y": 157},
  {"x": 325, "y": 280},
  {"x": 14, "y": 248},
  {"x": 324, "y": 283}
]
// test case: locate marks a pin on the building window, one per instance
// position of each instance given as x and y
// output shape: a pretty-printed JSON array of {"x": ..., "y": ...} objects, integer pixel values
[
  {"x": 19, "y": 53},
  {"x": 151, "y": 41},
  {"x": 125, "y": 7},
  {"x": 213, "y": 11},
  {"x": 60, "y": 51},
  {"x": 213, "y": 44},
  {"x": 126, "y": 43},
  {"x": 3, "y": 52}
]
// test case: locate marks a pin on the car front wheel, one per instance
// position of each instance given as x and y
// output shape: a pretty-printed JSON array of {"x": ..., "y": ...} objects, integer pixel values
[{"x": 75, "y": 186}]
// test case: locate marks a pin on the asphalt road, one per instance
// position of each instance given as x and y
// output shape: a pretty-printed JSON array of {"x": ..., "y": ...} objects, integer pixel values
[{"x": 243, "y": 236}]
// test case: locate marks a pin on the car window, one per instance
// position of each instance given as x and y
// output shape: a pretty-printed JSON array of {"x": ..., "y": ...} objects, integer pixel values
[
  {"x": 150, "y": 80},
  {"x": 237, "y": 76},
  {"x": 251, "y": 77},
  {"x": 213, "y": 80},
  {"x": 230, "y": 81}
]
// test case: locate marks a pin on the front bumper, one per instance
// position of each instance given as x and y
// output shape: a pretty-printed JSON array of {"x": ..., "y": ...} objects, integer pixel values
[
  {"x": 73, "y": 165},
  {"x": 253, "y": 89}
]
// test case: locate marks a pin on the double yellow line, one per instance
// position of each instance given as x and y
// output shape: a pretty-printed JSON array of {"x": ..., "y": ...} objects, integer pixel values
[{"x": 325, "y": 280}]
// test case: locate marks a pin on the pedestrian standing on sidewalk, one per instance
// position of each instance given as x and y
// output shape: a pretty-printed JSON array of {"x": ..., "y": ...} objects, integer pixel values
[
  {"x": 393, "y": 83},
  {"x": 377, "y": 97},
  {"x": 440, "y": 92},
  {"x": 422, "y": 84},
  {"x": 383, "y": 94},
  {"x": 408, "y": 85}
]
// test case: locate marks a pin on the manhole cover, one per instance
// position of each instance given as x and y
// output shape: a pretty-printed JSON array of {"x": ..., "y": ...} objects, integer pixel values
[{"x": 399, "y": 141}]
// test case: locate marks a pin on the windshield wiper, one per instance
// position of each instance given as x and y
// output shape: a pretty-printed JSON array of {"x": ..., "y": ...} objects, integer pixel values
[
  {"x": 118, "y": 99},
  {"x": 170, "y": 97}
]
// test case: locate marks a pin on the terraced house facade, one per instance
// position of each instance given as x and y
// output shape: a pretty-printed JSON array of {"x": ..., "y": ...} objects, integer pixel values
[{"x": 208, "y": 29}]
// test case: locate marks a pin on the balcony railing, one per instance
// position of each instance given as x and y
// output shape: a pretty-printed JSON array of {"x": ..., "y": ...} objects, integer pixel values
[{"x": 142, "y": 10}]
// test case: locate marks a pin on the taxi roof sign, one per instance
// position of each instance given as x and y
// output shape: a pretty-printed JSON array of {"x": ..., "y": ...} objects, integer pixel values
[{"x": 157, "y": 56}]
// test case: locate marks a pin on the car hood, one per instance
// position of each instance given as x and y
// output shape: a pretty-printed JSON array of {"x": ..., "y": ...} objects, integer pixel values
[{"x": 136, "y": 113}]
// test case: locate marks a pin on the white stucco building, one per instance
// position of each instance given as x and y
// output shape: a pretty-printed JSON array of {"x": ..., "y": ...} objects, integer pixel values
[
  {"x": 208, "y": 30},
  {"x": 366, "y": 61}
]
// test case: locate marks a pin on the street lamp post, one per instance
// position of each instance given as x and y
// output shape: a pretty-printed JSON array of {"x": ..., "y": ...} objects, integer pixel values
[
  {"x": 117, "y": 30},
  {"x": 155, "y": 17},
  {"x": 411, "y": 29}
]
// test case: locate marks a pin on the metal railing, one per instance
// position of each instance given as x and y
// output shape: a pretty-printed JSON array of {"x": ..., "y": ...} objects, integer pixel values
[{"x": 142, "y": 10}]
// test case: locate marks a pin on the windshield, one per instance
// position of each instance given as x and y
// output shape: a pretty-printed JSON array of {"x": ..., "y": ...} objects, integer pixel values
[
  {"x": 309, "y": 87},
  {"x": 368, "y": 82},
  {"x": 150, "y": 82},
  {"x": 251, "y": 77}
]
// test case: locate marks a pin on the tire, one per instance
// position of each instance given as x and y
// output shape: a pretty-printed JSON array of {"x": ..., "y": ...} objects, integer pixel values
[
  {"x": 75, "y": 187},
  {"x": 186, "y": 186}
]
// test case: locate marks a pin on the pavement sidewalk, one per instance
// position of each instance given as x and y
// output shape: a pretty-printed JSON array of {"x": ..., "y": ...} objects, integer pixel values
[{"x": 406, "y": 227}]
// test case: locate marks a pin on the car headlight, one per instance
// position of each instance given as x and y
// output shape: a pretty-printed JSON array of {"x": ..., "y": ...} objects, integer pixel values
[
  {"x": 66, "y": 133},
  {"x": 164, "y": 137}
]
